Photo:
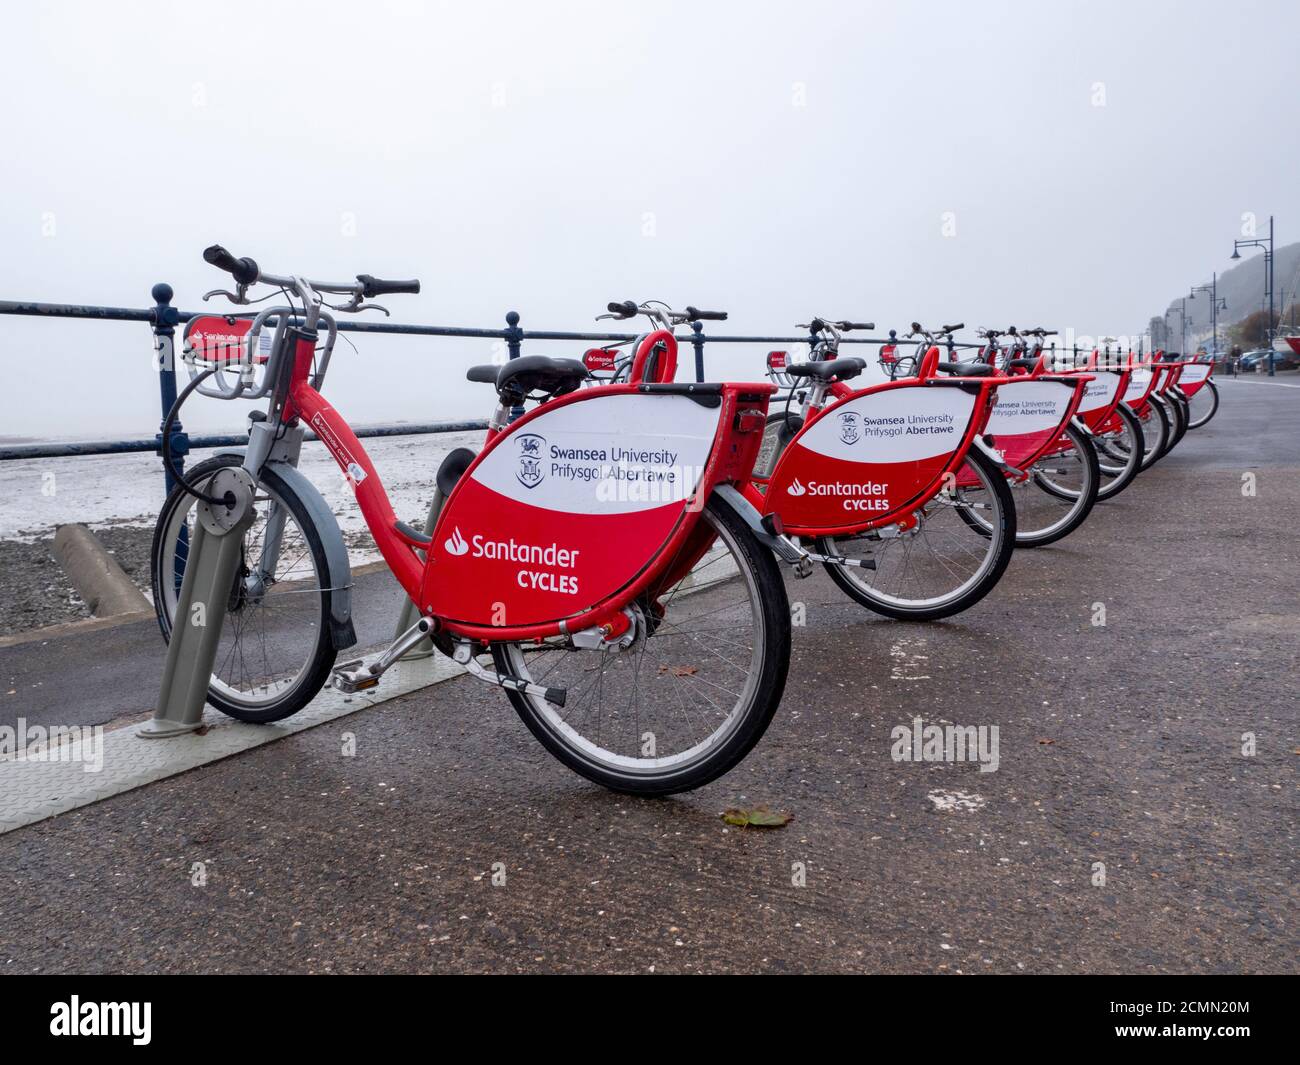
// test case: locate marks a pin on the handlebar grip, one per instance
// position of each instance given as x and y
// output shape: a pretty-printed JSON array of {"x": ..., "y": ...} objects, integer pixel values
[
  {"x": 377, "y": 286},
  {"x": 243, "y": 270},
  {"x": 953, "y": 328},
  {"x": 857, "y": 325},
  {"x": 626, "y": 309},
  {"x": 696, "y": 315}
]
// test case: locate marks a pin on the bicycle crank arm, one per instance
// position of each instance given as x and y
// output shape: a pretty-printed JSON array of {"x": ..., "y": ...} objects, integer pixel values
[
  {"x": 353, "y": 677},
  {"x": 464, "y": 655},
  {"x": 836, "y": 560}
]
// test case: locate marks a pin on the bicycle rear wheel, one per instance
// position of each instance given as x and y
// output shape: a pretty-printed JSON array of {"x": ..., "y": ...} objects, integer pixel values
[
  {"x": 945, "y": 564},
  {"x": 1155, "y": 433},
  {"x": 1174, "y": 417},
  {"x": 1203, "y": 406},
  {"x": 275, "y": 651},
  {"x": 692, "y": 693},
  {"x": 1059, "y": 494},
  {"x": 1119, "y": 453}
]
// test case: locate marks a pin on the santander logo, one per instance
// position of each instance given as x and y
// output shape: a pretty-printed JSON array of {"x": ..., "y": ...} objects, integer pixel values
[
  {"x": 795, "y": 488},
  {"x": 455, "y": 543}
]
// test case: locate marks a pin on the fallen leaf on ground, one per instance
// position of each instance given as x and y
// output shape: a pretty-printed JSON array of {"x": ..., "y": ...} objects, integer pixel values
[
  {"x": 1046, "y": 742},
  {"x": 759, "y": 817},
  {"x": 679, "y": 671}
]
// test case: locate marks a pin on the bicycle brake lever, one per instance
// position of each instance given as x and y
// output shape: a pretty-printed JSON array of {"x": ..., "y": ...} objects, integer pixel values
[
  {"x": 229, "y": 295},
  {"x": 371, "y": 307}
]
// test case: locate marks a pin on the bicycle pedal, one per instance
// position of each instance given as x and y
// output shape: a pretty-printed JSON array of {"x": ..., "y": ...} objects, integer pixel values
[{"x": 353, "y": 677}]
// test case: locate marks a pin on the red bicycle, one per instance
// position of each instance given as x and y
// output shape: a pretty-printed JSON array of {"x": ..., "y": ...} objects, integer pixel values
[
  {"x": 1054, "y": 469},
  {"x": 596, "y": 559},
  {"x": 869, "y": 477}
]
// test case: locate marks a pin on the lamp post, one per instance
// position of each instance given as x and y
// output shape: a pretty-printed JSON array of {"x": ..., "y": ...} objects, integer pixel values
[
  {"x": 1182, "y": 315},
  {"x": 1237, "y": 245},
  {"x": 1217, "y": 303}
]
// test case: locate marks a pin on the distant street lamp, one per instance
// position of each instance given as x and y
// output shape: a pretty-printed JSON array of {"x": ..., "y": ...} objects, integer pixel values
[
  {"x": 1182, "y": 314},
  {"x": 1217, "y": 303},
  {"x": 1237, "y": 245}
]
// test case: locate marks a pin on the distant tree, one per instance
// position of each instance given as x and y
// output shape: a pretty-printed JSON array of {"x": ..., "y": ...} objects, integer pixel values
[{"x": 1252, "y": 331}]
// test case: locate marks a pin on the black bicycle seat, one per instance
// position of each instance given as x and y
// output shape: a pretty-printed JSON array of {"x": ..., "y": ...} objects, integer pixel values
[
  {"x": 520, "y": 377},
  {"x": 1023, "y": 364},
  {"x": 843, "y": 369},
  {"x": 966, "y": 369}
]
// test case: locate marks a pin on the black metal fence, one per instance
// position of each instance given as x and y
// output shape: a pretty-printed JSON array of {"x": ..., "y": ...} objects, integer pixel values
[{"x": 163, "y": 319}]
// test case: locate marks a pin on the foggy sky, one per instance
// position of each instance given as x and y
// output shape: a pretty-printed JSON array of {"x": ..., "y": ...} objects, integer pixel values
[{"x": 776, "y": 160}]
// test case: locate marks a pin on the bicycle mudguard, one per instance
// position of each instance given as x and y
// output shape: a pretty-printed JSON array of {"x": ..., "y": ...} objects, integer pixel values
[
  {"x": 338, "y": 579},
  {"x": 578, "y": 506},
  {"x": 873, "y": 454},
  {"x": 1194, "y": 376}
]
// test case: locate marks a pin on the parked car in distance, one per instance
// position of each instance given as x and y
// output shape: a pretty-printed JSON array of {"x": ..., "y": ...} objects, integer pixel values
[{"x": 1253, "y": 360}]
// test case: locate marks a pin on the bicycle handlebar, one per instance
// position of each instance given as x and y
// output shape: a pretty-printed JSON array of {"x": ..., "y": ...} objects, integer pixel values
[
  {"x": 245, "y": 270},
  {"x": 377, "y": 286},
  {"x": 695, "y": 315},
  {"x": 661, "y": 312}
]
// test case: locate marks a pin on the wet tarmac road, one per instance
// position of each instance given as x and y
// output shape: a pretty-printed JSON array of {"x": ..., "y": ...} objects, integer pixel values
[{"x": 452, "y": 842}]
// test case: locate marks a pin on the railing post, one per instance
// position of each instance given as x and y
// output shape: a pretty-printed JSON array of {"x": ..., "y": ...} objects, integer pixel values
[
  {"x": 165, "y": 317},
  {"x": 697, "y": 342},
  {"x": 514, "y": 338}
]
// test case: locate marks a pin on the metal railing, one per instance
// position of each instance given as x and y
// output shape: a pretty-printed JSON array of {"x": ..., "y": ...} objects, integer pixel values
[{"x": 163, "y": 319}]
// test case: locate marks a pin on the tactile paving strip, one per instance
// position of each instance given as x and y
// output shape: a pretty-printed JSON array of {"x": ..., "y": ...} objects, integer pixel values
[{"x": 34, "y": 788}]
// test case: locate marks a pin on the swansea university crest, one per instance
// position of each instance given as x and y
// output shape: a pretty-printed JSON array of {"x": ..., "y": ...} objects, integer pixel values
[
  {"x": 530, "y": 472},
  {"x": 850, "y": 427}
]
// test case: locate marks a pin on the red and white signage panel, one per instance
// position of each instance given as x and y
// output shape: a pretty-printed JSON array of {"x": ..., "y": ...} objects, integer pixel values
[
  {"x": 567, "y": 508},
  {"x": 868, "y": 456},
  {"x": 1193, "y": 377},
  {"x": 1028, "y": 414}
]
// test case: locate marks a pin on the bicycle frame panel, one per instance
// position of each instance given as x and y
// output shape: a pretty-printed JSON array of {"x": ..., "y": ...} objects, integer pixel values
[
  {"x": 582, "y": 504},
  {"x": 1101, "y": 396},
  {"x": 873, "y": 455},
  {"x": 1141, "y": 383},
  {"x": 1194, "y": 376},
  {"x": 1030, "y": 415}
]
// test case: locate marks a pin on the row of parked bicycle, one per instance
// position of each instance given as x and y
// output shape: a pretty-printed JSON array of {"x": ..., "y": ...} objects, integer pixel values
[{"x": 610, "y": 557}]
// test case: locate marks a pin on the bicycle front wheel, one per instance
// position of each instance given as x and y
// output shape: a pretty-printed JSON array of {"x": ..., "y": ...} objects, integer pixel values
[
  {"x": 275, "y": 651},
  {"x": 691, "y": 693}
]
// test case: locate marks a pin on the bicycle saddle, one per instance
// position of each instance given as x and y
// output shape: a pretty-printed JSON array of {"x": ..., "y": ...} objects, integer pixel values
[
  {"x": 1023, "y": 364},
  {"x": 530, "y": 373},
  {"x": 840, "y": 368},
  {"x": 966, "y": 369}
]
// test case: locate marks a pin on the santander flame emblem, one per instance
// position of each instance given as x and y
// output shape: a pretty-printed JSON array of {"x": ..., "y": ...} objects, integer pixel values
[
  {"x": 796, "y": 489},
  {"x": 455, "y": 543}
]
